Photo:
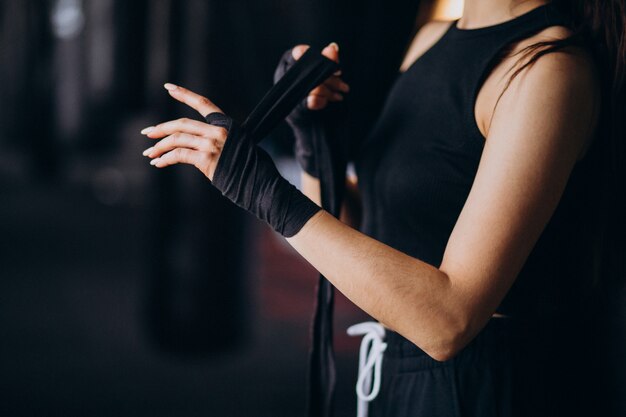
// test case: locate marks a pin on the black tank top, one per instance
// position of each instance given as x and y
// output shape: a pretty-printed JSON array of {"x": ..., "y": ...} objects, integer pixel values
[{"x": 418, "y": 164}]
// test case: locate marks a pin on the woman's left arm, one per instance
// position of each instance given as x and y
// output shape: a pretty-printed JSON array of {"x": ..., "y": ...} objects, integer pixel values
[{"x": 539, "y": 130}]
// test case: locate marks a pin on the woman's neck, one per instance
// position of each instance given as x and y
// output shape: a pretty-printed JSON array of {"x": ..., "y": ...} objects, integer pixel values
[{"x": 481, "y": 13}]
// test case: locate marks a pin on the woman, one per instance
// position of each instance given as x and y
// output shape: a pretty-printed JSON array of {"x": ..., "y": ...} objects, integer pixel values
[{"x": 477, "y": 252}]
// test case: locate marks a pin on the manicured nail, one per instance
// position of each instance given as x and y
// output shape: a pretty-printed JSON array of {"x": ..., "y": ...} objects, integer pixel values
[
  {"x": 147, "y": 130},
  {"x": 154, "y": 161},
  {"x": 334, "y": 45},
  {"x": 148, "y": 151},
  {"x": 170, "y": 86}
]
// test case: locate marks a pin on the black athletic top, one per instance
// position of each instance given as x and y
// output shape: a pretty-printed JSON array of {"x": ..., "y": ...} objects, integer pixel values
[{"x": 418, "y": 164}]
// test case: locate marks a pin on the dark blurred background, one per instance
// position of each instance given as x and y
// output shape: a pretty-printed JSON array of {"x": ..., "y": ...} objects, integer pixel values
[{"x": 131, "y": 291}]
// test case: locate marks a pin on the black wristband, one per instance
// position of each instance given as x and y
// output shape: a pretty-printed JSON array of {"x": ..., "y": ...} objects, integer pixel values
[{"x": 247, "y": 176}]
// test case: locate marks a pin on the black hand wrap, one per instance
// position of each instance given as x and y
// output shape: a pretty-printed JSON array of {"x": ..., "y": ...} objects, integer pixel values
[
  {"x": 247, "y": 176},
  {"x": 306, "y": 124}
]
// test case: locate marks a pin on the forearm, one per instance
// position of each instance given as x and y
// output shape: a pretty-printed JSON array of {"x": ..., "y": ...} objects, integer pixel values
[
  {"x": 351, "y": 206},
  {"x": 405, "y": 294}
]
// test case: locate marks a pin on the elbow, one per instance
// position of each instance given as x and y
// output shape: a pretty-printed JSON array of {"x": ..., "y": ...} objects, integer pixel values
[
  {"x": 442, "y": 326},
  {"x": 445, "y": 352},
  {"x": 448, "y": 341}
]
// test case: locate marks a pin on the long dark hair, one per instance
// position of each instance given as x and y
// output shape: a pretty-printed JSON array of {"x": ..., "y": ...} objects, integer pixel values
[{"x": 599, "y": 26}]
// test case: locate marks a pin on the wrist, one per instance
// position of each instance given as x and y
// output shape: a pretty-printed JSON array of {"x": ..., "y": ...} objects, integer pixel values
[
  {"x": 247, "y": 176},
  {"x": 310, "y": 225}
]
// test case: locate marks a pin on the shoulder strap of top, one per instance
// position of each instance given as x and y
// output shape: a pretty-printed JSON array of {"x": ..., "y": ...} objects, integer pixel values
[{"x": 492, "y": 40}]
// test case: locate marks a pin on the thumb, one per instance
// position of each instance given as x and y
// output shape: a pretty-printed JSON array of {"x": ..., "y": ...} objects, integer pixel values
[{"x": 331, "y": 51}]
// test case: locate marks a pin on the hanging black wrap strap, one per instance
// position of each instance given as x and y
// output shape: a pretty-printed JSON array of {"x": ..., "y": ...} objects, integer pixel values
[
  {"x": 322, "y": 375},
  {"x": 309, "y": 71},
  {"x": 331, "y": 173}
]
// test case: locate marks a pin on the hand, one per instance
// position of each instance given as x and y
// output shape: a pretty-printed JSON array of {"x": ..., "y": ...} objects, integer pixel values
[
  {"x": 185, "y": 140},
  {"x": 307, "y": 121},
  {"x": 333, "y": 88},
  {"x": 240, "y": 170}
]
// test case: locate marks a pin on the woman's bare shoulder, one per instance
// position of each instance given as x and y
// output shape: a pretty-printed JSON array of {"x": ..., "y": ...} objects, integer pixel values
[
  {"x": 573, "y": 63},
  {"x": 570, "y": 55},
  {"x": 425, "y": 38},
  {"x": 552, "y": 33}
]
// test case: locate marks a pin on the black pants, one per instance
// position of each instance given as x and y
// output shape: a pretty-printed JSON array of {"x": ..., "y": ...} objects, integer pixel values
[{"x": 508, "y": 370}]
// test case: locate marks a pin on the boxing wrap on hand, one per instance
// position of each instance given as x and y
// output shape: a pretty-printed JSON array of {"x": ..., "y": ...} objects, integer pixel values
[
  {"x": 306, "y": 124},
  {"x": 247, "y": 176}
]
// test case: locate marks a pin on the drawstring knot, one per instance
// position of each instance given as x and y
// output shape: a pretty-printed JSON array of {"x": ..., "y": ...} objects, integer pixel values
[{"x": 370, "y": 362}]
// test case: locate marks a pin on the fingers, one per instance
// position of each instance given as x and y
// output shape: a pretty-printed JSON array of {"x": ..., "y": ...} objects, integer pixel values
[
  {"x": 197, "y": 102},
  {"x": 331, "y": 51},
  {"x": 324, "y": 91},
  {"x": 333, "y": 88},
  {"x": 337, "y": 84},
  {"x": 182, "y": 140},
  {"x": 330, "y": 90},
  {"x": 180, "y": 155},
  {"x": 298, "y": 51},
  {"x": 185, "y": 125},
  {"x": 185, "y": 140},
  {"x": 184, "y": 148},
  {"x": 316, "y": 102}
]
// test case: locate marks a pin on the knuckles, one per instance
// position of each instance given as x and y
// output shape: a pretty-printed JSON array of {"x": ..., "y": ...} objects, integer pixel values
[
  {"x": 177, "y": 154},
  {"x": 175, "y": 138},
  {"x": 205, "y": 159},
  {"x": 222, "y": 134}
]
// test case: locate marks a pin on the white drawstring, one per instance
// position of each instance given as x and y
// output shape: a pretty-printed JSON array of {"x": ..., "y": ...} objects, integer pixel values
[{"x": 370, "y": 356}]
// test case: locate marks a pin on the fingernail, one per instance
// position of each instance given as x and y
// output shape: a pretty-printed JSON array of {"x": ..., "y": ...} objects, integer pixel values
[
  {"x": 154, "y": 161},
  {"x": 309, "y": 102},
  {"x": 338, "y": 97},
  {"x": 337, "y": 73},
  {"x": 334, "y": 45},
  {"x": 147, "y": 130},
  {"x": 148, "y": 151},
  {"x": 344, "y": 87},
  {"x": 170, "y": 86}
]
